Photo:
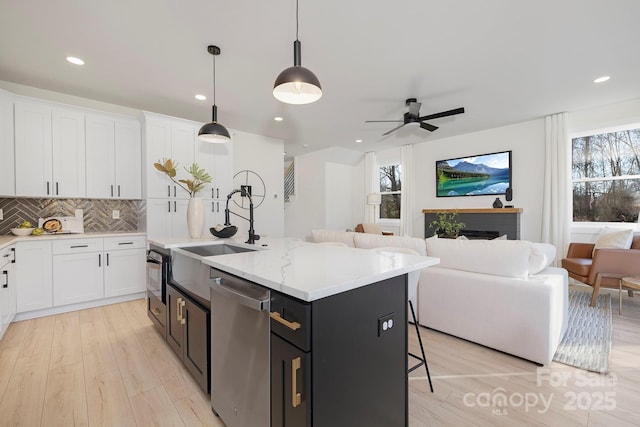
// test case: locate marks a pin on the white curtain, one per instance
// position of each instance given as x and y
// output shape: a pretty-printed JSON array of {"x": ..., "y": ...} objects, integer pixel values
[
  {"x": 406, "y": 201},
  {"x": 371, "y": 185},
  {"x": 556, "y": 203}
]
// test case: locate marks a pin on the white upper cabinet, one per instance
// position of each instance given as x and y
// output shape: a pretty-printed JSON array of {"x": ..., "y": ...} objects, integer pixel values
[
  {"x": 217, "y": 160},
  {"x": 113, "y": 157},
  {"x": 166, "y": 137},
  {"x": 7, "y": 170},
  {"x": 49, "y": 151}
]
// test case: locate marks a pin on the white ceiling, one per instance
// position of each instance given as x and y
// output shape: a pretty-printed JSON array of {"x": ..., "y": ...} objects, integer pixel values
[{"x": 505, "y": 61}]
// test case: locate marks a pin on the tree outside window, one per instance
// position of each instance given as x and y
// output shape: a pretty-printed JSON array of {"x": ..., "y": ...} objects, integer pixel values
[
  {"x": 606, "y": 177},
  {"x": 391, "y": 191}
]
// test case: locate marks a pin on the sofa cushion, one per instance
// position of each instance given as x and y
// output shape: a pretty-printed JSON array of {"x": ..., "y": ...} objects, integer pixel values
[
  {"x": 369, "y": 241},
  {"x": 614, "y": 239},
  {"x": 507, "y": 258},
  {"x": 345, "y": 237},
  {"x": 542, "y": 255}
]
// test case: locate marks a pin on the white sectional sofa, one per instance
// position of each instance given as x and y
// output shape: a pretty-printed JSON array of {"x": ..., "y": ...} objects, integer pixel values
[{"x": 501, "y": 294}]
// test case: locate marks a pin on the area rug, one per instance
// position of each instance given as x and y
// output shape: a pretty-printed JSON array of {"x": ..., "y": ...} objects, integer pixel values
[{"x": 587, "y": 342}]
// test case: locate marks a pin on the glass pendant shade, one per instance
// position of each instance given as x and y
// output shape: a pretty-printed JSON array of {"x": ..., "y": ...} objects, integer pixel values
[
  {"x": 297, "y": 84},
  {"x": 214, "y": 132}
]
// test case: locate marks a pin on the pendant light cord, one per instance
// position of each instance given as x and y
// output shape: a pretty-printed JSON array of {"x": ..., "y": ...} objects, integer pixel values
[{"x": 214, "y": 79}]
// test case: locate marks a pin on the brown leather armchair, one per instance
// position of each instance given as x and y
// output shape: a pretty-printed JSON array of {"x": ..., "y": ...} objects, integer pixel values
[
  {"x": 610, "y": 263},
  {"x": 360, "y": 229}
]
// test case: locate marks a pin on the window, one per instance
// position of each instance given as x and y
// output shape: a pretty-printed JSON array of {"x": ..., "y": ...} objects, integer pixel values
[
  {"x": 391, "y": 191},
  {"x": 606, "y": 176}
]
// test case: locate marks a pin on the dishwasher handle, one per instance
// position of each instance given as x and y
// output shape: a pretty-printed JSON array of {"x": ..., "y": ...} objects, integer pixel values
[{"x": 241, "y": 296}]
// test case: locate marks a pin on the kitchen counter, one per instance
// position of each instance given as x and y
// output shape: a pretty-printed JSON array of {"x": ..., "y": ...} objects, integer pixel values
[
  {"x": 11, "y": 239},
  {"x": 307, "y": 271}
]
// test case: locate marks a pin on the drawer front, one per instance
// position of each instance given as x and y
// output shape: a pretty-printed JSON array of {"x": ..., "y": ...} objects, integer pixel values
[
  {"x": 124, "y": 242},
  {"x": 72, "y": 246},
  {"x": 291, "y": 319},
  {"x": 6, "y": 256}
]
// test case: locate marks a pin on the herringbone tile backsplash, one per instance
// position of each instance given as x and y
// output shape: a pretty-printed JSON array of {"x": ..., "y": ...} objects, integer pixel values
[{"x": 97, "y": 213}]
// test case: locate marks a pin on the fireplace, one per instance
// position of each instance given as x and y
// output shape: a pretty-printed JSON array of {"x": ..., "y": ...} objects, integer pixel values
[{"x": 481, "y": 223}]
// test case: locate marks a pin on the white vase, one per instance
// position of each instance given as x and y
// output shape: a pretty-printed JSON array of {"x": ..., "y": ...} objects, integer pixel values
[{"x": 195, "y": 217}]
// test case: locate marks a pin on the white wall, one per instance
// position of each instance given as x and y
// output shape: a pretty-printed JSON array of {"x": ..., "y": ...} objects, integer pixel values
[
  {"x": 525, "y": 140},
  {"x": 262, "y": 155},
  {"x": 325, "y": 182}
]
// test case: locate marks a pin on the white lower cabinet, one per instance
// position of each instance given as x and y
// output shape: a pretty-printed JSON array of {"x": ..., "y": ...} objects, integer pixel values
[
  {"x": 7, "y": 289},
  {"x": 33, "y": 268},
  {"x": 124, "y": 272},
  {"x": 77, "y": 278},
  {"x": 69, "y": 271}
]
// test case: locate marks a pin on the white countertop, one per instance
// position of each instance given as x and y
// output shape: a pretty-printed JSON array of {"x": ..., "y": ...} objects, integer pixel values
[
  {"x": 304, "y": 270},
  {"x": 11, "y": 239}
]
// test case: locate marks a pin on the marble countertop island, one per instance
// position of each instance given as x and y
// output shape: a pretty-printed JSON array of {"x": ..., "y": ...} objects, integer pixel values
[{"x": 307, "y": 271}]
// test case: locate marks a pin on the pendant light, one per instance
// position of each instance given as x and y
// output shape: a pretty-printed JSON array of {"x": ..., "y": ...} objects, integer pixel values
[
  {"x": 297, "y": 85},
  {"x": 214, "y": 132}
]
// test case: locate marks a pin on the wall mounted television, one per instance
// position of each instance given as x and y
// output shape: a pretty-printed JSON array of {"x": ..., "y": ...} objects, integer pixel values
[{"x": 483, "y": 175}]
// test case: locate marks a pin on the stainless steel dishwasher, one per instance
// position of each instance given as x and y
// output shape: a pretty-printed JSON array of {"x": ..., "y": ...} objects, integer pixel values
[{"x": 240, "y": 364}]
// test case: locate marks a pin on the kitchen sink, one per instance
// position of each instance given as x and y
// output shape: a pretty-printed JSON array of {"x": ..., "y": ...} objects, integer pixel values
[{"x": 212, "y": 250}]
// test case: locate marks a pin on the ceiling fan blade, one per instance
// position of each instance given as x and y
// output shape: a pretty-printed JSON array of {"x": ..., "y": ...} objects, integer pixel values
[
  {"x": 394, "y": 129},
  {"x": 428, "y": 126},
  {"x": 443, "y": 114},
  {"x": 383, "y": 121}
]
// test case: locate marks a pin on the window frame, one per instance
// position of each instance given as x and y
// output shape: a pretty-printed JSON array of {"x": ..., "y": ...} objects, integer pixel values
[
  {"x": 379, "y": 218},
  {"x": 589, "y": 226}
]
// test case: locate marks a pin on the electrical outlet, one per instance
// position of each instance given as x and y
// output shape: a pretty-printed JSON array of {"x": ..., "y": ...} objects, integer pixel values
[
  {"x": 79, "y": 213},
  {"x": 385, "y": 323},
  {"x": 1, "y": 215},
  {"x": 115, "y": 214}
]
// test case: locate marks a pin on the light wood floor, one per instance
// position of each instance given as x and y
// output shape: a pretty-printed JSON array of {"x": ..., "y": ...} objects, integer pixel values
[{"x": 108, "y": 366}]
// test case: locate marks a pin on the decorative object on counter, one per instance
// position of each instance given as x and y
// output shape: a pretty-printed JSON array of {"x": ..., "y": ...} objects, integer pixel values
[
  {"x": 200, "y": 176},
  {"x": 244, "y": 193},
  {"x": 297, "y": 84},
  {"x": 214, "y": 132},
  {"x": 446, "y": 225},
  {"x": 195, "y": 210},
  {"x": 21, "y": 231},
  {"x": 497, "y": 203},
  {"x": 195, "y": 217},
  {"x": 223, "y": 231}
]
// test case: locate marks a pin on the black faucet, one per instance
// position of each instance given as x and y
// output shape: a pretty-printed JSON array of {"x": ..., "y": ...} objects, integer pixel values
[{"x": 252, "y": 234}]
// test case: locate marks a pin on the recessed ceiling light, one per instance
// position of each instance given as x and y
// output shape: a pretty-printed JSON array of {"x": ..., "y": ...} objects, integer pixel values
[
  {"x": 285, "y": 153},
  {"x": 278, "y": 119},
  {"x": 200, "y": 97},
  {"x": 75, "y": 61},
  {"x": 306, "y": 145},
  {"x": 601, "y": 79},
  {"x": 358, "y": 141}
]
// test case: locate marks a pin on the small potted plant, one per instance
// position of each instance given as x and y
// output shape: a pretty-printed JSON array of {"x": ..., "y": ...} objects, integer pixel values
[
  {"x": 199, "y": 177},
  {"x": 446, "y": 225}
]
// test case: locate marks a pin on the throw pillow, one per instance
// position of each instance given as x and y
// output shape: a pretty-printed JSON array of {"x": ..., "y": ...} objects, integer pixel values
[
  {"x": 542, "y": 255},
  {"x": 372, "y": 228},
  {"x": 613, "y": 239}
]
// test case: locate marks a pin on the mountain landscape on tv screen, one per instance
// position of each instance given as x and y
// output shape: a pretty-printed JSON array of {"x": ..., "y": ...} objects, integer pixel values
[{"x": 470, "y": 179}]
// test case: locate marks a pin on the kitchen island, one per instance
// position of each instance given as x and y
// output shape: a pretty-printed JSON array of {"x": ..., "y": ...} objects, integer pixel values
[{"x": 338, "y": 331}]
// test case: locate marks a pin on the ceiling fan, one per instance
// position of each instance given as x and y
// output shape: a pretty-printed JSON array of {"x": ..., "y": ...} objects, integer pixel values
[{"x": 413, "y": 116}]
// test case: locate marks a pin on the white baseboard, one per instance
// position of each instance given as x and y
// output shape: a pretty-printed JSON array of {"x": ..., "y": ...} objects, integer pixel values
[{"x": 79, "y": 306}]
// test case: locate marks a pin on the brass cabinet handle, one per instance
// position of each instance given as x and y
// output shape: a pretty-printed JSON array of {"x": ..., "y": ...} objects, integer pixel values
[
  {"x": 182, "y": 319},
  {"x": 178, "y": 314},
  {"x": 155, "y": 311},
  {"x": 291, "y": 325},
  {"x": 296, "y": 398}
]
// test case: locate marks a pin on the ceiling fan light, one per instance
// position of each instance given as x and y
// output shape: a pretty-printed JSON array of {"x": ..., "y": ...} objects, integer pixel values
[{"x": 297, "y": 85}]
